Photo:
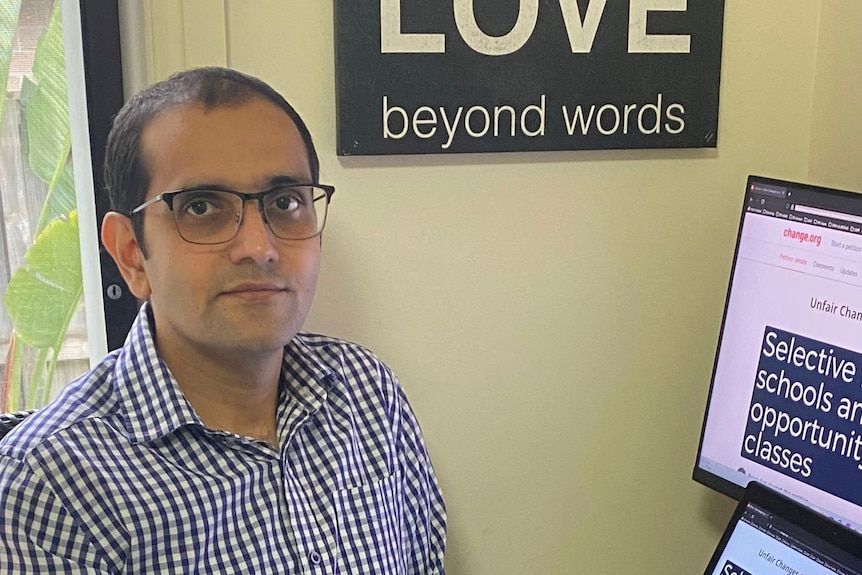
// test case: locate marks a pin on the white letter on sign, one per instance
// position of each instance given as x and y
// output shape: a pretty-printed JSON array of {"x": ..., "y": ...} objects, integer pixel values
[
  {"x": 640, "y": 42},
  {"x": 465, "y": 19},
  {"x": 582, "y": 34},
  {"x": 393, "y": 41}
]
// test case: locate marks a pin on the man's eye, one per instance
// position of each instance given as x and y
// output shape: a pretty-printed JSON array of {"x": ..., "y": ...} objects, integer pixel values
[
  {"x": 285, "y": 202},
  {"x": 203, "y": 204},
  {"x": 199, "y": 207}
]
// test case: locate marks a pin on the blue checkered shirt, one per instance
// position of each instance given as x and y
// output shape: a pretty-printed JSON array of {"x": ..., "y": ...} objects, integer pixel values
[{"x": 120, "y": 475}]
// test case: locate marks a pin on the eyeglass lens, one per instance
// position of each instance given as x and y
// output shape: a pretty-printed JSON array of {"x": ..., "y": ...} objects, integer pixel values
[{"x": 214, "y": 216}]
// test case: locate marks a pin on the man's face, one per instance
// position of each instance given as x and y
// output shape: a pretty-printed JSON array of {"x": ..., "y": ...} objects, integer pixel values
[{"x": 250, "y": 295}]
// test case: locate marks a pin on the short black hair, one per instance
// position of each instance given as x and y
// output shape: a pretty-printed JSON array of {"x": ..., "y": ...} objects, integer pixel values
[{"x": 126, "y": 175}]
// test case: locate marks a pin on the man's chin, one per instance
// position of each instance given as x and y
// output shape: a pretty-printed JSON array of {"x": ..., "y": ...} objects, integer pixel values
[
  {"x": 260, "y": 328},
  {"x": 246, "y": 347}
]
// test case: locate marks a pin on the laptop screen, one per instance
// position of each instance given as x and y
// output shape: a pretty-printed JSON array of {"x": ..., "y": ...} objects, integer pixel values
[
  {"x": 785, "y": 402},
  {"x": 770, "y": 534}
]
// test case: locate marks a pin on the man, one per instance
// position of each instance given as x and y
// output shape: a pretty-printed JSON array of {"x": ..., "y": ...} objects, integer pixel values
[{"x": 219, "y": 439}]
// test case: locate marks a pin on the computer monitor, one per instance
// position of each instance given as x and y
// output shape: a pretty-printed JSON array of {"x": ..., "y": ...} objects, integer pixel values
[
  {"x": 785, "y": 402},
  {"x": 770, "y": 534}
]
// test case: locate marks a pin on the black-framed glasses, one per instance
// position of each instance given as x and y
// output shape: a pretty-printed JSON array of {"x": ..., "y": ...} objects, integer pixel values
[{"x": 211, "y": 215}]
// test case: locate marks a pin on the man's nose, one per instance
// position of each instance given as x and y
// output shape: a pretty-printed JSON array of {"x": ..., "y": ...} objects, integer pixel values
[{"x": 254, "y": 240}]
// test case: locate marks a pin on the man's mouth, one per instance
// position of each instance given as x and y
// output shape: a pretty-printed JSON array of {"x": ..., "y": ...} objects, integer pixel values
[{"x": 255, "y": 290}]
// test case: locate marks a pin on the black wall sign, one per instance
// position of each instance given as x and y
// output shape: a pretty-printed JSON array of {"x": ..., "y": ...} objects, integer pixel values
[{"x": 444, "y": 76}]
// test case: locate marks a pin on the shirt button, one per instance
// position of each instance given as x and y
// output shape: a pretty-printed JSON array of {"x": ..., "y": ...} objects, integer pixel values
[{"x": 314, "y": 557}]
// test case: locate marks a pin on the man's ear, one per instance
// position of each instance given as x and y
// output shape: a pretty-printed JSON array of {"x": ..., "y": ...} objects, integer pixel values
[{"x": 118, "y": 237}]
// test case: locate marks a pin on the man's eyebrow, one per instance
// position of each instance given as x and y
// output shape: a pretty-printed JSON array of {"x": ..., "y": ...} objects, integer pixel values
[
  {"x": 287, "y": 180},
  {"x": 272, "y": 182}
]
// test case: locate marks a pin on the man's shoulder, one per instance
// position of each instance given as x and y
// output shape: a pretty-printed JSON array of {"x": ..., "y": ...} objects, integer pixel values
[
  {"x": 335, "y": 352},
  {"x": 88, "y": 397},
  {"x": 320, "y": 341},
  {"x": 338, "y": 364}
]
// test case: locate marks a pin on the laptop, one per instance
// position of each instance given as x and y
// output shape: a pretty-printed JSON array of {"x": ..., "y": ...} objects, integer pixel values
[{"x": 771, "y": 534}]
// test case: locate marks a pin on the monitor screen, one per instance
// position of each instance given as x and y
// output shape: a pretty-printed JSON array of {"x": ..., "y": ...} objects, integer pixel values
[{"x": 785, "y": 402}]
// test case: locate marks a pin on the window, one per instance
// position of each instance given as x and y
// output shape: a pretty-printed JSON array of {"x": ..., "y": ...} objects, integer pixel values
[{"x": 43, "y": 341}]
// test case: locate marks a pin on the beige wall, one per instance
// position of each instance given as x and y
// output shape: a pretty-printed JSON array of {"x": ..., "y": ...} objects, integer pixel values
[
  {"x": 836, "y": 134},
  {"x": 553, "y": 316}
]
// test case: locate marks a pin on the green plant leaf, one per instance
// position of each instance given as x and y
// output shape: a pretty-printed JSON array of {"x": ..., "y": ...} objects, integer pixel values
[
  {"x": 9, "y": 10},
  {"x": 60, "y": 200},
  {"x": 43, "y": 295},
  {"x": 48, "y": 107}
]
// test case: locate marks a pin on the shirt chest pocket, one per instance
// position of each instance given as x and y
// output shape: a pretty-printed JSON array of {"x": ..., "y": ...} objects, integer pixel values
[{"x": 370, "y": 521}]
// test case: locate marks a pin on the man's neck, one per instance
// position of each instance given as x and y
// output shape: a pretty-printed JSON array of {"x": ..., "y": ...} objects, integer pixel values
[{"x": 238, "y": 395}]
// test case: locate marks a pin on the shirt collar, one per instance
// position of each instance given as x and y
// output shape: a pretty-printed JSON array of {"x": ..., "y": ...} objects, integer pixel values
[
  {"x": 153, "y": 403},
  {"x": 305, "y": 375}
]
